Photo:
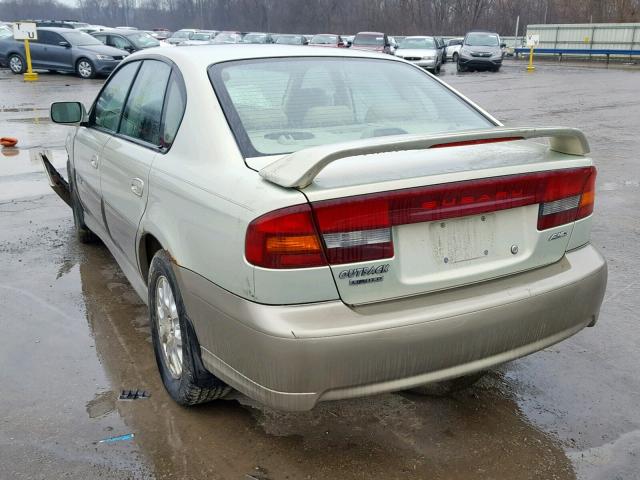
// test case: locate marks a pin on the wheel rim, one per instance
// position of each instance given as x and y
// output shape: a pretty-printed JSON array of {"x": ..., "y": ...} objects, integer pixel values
[
  {"x": 15, "y": 63},
  {"x": 169, "y": 332},
  {"x": 84, "y": 69}
]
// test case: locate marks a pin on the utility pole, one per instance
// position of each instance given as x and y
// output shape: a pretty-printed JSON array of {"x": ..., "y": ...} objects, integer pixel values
[
  {"x": 546, "y": 9},
  {"x": 515, "y": 40}
]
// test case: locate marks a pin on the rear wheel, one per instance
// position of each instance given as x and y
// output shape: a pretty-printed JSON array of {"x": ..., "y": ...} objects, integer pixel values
[
  {"x": 85, "y": 69},
  {"x": 447, "y": 387},
  {"x": 461, "y": 68},
  {"x": 455, "y": 57},
  {"x": 16, "y": 64},
  {"x": 175, "y": 344}
]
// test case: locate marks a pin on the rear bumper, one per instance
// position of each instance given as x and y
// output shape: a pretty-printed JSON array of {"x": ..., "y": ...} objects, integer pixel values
[{"x": 291, "y": 357}]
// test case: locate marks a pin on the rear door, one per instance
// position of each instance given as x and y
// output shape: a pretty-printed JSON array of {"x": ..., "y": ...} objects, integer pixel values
[
  {"x": 104, "y": 120},
  {"x": 128, "y": 156}
]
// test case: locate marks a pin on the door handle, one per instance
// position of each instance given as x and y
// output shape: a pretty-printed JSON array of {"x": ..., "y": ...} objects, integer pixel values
[
  {"x": 137, "y": 186},
  {"x": 94, "y": 161}
]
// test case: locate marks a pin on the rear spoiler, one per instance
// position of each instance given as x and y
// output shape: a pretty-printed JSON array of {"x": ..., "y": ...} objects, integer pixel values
[{"x": 298, "y": 169}]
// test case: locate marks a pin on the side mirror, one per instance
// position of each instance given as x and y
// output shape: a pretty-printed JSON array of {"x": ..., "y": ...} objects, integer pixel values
[
  {"x": 64, "y": 44},
  {"x": 503, "y": 45},
  {"x": 68, "y": 113}
]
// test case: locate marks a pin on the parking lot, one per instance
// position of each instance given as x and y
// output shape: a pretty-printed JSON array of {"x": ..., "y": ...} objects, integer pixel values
[{"x": 74, "y": 334}]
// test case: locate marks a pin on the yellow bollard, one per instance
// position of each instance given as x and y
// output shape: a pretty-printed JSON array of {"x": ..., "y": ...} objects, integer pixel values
[
  {"x": 29, "y": 75},
  {"x": 530, "y": 67}
]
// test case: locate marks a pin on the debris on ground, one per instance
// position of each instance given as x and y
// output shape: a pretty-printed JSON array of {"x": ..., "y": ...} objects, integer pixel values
[
  {"x": 133, "y": 395},
  {"x": 119, "y": 438}
]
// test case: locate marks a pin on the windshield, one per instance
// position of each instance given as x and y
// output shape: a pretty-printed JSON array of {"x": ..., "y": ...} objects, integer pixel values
[
  {"x": 290, "y": 40},
  {"x": 482, "y": 40},
  {"x": 201, "y": 36},
  {"x": 143, "y": 40},
  {"x": 80, "y": 39},
  {"x": 227, "y": 38},
  {"x": 255, "y": 38},
  {"x": 182, "y": 35},
  {"x": 368, "y": 40},
  {"x": 324, "y": 40},
  {"x": 277, "y": 106},
  {"x": 417, "y": 42}
]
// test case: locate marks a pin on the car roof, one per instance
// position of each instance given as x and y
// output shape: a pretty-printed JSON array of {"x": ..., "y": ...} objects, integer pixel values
[
  {"x": 206, "y": 55},
  {"x": 59, "y": 29},
  {"x": 369, "y": 33},
  {"x": 119, "y": 31},
  {"x": 419, "y": 36}
]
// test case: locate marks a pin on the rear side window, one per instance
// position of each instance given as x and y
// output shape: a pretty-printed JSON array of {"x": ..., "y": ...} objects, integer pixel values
[
  {"x": 142, "y": 116},
  {"x": 277, "y": 106},
  {"x": 175, "y": 103},
  {"x": 49, "y": 38},
  {"x": 110, "y": 102}
]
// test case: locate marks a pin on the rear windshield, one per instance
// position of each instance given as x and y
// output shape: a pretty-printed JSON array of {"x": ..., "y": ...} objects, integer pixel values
[
  {"x": 277, "y": 106},
  {"x": 417, "y": 43},
  {"x": 482, "y": 40},
  {"x": 324, "y": 40},
  {"x": 368, "y": 40}
]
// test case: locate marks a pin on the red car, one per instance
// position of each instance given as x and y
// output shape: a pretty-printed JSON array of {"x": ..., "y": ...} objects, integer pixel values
[
  {"x": 373, "y": 41},
  {"x": 327, "y": 40}
]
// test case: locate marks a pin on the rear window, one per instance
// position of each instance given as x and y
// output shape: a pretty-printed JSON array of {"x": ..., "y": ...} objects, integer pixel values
[
  {"x": 324, "y": 40},
  {"x": 277, "y": 106}
]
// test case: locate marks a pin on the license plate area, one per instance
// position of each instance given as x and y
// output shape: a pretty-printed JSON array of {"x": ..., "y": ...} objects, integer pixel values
[{"x": 462, "y": 239}]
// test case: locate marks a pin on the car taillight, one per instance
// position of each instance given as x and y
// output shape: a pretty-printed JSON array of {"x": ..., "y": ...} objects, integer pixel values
[
  {"x": 359, "y": 228},
  {"x": 284, "y": 238}
]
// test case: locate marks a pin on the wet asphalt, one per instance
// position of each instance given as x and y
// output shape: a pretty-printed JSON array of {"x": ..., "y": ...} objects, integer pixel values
[{"x": 73, "y": 334}]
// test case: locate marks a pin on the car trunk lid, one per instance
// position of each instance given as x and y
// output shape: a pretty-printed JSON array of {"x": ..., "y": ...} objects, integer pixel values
[{"x": 414, "y": 222}]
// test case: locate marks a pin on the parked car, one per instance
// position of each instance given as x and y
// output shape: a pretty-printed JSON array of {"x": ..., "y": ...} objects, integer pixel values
[
  {"x": 453, "y": 47},
  {"x": 327, "y": 40},
  {"x": 324, "y": 223},
  {"x": 258, "y": 38},
  {"x": 161, "y": 33},
  {"x": 181, "y": 36},
  {"x": 480, "y": 51},
  {"x": 5, "y": 32},
  {"x": 227, "y": 37},
  {"x": 201, "y": 37},
  {"x": 374, "y": 41},
  {"x": 64, "y": 50},
  {"x": 291, "y": 40},
  {"x": 348, "y": 39},
  {"x": 129, "y": 40},
  {"x": 423, "y": 51}
]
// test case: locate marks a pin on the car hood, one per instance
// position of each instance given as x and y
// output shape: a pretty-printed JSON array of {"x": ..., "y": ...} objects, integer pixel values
[
  {"x": 103, "y": 50},
  {"x": 415, "y": 52},
  {"x": 482, "y": 49}
]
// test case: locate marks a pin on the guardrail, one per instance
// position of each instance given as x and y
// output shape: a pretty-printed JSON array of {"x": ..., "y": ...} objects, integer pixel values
[{"x": 580, "y": 51}]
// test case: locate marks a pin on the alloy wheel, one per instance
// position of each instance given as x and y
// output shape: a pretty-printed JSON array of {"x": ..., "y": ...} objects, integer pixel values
[{"x": 169, "y": 327}]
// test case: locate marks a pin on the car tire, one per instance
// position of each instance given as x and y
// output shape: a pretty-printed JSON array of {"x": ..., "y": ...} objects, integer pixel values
[
  {"x": 460, "y": 68},
  {"x": 444, "y": 58},
  {"x": 496, "y": 69},
  {"x": 83, "y": 234},
  {"x": 437, "y": 69},
  {"x": 175, "y": 344},
  {"x": 447, "y": 387},
  {"x": 455, "y": 57},
  {"x": 85, "y": 68},
  {"x": 17, "y": 63}
]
